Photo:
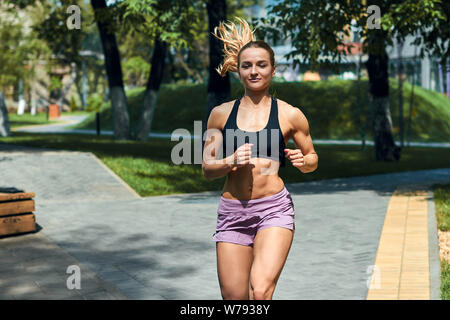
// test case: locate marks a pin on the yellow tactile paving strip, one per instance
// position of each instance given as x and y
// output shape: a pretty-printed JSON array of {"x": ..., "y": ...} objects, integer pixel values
[{"x": 401, "y": 270}]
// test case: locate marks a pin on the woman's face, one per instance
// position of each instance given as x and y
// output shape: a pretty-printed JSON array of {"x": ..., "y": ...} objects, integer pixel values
[{"x": 255, "y": 65}]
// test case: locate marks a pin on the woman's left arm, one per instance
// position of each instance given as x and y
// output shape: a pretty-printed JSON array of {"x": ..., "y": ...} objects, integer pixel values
[{"x": 304, "y": 157}]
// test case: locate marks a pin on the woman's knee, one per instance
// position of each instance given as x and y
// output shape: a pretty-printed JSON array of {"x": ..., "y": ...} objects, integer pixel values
[
  {"x": 234, "y": 294},
  {"x": 263, "y": 290}
]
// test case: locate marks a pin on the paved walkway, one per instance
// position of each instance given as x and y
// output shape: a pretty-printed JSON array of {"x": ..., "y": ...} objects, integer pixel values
[{"x": 161, "y": 248}]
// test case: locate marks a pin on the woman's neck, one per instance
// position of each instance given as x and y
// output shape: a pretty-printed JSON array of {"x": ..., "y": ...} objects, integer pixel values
[{"x": 256, "y": 99}]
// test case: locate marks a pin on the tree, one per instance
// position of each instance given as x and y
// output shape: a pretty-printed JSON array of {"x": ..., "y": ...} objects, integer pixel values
[
  {"x": 113, "y": 67},
  {"x": 219, "y": 88},
  {"x": 180, "y": 24},
  {"x": 150, "y": 97},
  {"x": 64, "y": 43},
  {"x": 20, "y": 53},
  {"x": 316, "y": 28},
  {"x": 167, "y": 24},
  {"x": 4, "y": 120}
]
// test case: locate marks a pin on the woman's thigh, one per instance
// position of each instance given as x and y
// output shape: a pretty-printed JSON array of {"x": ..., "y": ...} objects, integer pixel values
[
  {"x": 270, "y": 250},
  {"x": 233, "y": 267}
]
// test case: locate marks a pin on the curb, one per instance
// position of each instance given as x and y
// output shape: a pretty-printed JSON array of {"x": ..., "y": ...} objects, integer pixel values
[{"x": 112, "y": 173}]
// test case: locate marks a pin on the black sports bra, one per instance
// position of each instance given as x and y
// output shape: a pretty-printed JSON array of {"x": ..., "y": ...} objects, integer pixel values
[{"x": 268, "y": 142}]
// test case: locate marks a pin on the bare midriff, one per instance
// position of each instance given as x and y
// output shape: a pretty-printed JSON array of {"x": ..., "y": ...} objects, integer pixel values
[{"x": 256, "y": 180}]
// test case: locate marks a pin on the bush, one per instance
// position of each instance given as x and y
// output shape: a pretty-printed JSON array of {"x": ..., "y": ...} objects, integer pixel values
[
  {"x": 330, "y": 107},
  {"x": 94, "y": 102},
  {"x": 73, "y": 104}
]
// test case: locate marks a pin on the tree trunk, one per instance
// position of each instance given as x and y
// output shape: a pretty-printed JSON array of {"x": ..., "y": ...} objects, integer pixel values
[
  {"x": 4, "y": 119},
  {"x": 385, "y": 148},
  {"x": 441, "y": 75},
  {"x": 447, "y": 66},
  {"x": 411, "y": 101},
  {"x": 184, "y": 65},
  {"x": 78, "y": 86},
  {"x": 66, "y": 89},
  {"x": 151, "y": 92},
  {"x": 219, "y": 88},
  {"x": 121, "y": 119},
  {"x": 358, "y": 103},
  {"x": 400, "y": 92}
]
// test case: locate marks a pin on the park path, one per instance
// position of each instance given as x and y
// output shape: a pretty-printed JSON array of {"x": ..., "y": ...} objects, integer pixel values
[{"x": 160, "y": 247}]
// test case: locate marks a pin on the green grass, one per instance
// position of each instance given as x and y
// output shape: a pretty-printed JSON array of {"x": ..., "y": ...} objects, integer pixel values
[
  {"x": 442, "y": 202},
  {"x": 148, "y": 169},
  {"x": 445, "y": 280},
  {"x": 330, "y": 107},
  {"x": 27, "y": 119}
]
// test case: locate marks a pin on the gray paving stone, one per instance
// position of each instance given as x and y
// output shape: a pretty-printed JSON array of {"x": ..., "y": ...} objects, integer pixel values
[
  {"x": 114, "y": 275},
  {"x": 24, "y": 291},
  {"x": 143, "y": 294},
  {"x": 100, "y": 295}
]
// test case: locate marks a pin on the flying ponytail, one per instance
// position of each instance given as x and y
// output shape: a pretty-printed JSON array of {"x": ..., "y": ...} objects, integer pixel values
[{"x": 233, "y": 40}]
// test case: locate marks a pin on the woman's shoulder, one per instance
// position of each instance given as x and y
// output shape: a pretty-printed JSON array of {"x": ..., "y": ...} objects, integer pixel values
[
  {"x": 220, "y": 113},
  {"x": 224, "y": 107},
  {"x": 291, "y": 116},
  {"x": 288, "y": 111}
]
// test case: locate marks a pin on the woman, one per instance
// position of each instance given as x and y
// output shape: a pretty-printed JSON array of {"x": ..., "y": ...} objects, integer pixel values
[{"x": 255, "y": 224}]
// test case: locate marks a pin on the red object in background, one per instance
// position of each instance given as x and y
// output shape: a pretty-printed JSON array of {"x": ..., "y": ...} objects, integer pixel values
[{"x": 53, "y": 111}]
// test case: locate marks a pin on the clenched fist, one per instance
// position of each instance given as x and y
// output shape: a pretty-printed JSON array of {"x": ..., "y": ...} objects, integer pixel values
[{"x": 295, "y": 156}]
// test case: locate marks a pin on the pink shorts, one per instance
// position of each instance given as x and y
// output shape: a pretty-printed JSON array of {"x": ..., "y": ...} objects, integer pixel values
[{"x": 238, "y": 221}]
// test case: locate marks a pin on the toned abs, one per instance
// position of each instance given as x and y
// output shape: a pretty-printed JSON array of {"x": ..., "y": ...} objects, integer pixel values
[{"x": 260, "y": 177}]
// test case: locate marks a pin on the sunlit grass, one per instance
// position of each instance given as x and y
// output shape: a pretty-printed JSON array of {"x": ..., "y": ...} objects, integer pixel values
[
  {"x": 442, "y": 202},
  {"x": 27, "y": 119}
]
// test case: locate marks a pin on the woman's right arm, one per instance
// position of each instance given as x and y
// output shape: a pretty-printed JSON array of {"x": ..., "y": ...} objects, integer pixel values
[{"x": 212, "y": 167}]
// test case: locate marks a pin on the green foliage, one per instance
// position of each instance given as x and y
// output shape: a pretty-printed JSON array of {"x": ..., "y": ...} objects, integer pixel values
[
  {"x": 427, "y": 19},
  {"x": 136, "y": 71},
  {"x": 64, "y": 43},
  {"x": 73, "y": 104},
  {"x": 165, "y": 19},
  {"x": 317, "y": 27},
  {"x": 95, "y": 102},
  {"x": 55, "y": 83},
  {"x": 20, "y": 47}
]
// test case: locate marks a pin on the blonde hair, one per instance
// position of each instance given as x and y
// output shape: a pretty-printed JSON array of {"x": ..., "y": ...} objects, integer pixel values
[{"x": 233, "y": 40}]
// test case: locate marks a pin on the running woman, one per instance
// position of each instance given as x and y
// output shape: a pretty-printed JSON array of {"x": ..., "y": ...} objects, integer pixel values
[{"x": 255, "y": 223}]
